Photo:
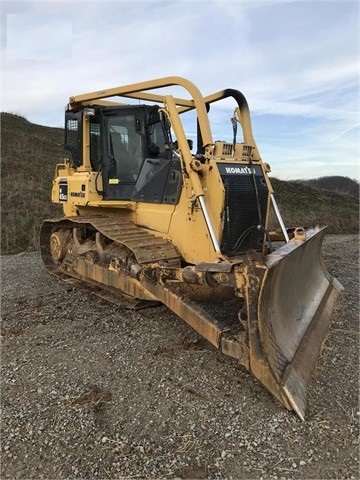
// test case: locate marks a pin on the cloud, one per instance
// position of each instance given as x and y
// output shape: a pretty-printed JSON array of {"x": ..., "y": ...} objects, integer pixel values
[
  {"x": 297, "y": 62},
  {"x": 38, "y": 37}
]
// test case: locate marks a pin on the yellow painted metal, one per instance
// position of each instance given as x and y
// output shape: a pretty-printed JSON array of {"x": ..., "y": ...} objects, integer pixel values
[
  {"x": 85, "y": 165},
  {"x": 111, "y": 278},
  {"x": 156, "y": 217},
  {"x": 188, "y": 230},
  {"x": 185, "y": 153},
  {"x": 187, "y": 310},
  {"x": 114, "y": 204},
  {"x": 241, "y": 114},
  {"x": 81, "y": 187},
  {"x": 138, "y": 91}
]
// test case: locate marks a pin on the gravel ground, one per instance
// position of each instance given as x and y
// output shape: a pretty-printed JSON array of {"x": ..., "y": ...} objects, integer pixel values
[{"x": 91, "y": 390}]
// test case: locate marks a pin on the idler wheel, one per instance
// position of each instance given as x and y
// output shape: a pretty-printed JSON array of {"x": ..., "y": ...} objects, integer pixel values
[{"x": 58, "y": 244}]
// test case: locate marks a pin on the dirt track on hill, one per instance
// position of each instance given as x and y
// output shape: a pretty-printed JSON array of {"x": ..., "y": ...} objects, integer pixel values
[{"x": 91, "y": 390}]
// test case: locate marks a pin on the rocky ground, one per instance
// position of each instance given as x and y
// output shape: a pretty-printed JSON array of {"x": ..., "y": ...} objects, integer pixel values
[{"x": 92, "y": 390}]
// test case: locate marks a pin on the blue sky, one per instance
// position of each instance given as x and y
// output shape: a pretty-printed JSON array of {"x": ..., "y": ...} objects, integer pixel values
[{"x": 297, "y": 62}]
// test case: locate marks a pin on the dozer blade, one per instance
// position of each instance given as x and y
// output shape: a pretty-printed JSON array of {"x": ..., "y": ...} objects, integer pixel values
[{"x": 290, "y": 298}]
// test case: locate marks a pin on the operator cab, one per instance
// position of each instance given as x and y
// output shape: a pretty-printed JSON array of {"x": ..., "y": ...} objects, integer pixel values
[{"x": 131, "y": 147}]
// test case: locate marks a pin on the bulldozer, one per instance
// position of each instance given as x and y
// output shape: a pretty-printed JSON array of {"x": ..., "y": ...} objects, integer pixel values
[{"x": 149, "y": 219}]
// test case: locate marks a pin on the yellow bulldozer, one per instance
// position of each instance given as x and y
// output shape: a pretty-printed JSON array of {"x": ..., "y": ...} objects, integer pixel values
[{"x": 148, "y": 220}]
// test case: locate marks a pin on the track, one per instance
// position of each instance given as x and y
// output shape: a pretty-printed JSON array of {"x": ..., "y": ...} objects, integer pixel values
[
  {"x": 119, "y": 262},
  {"x": 93, "y": 251}
]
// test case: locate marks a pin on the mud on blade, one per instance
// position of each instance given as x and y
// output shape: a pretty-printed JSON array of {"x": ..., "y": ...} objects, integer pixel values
[{"x": 290, "y": 301}]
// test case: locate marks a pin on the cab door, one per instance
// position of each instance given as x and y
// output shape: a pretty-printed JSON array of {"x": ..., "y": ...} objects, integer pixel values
[{"x": 123, "y": 153}]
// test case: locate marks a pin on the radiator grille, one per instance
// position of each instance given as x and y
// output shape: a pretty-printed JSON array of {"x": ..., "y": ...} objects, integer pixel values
[
  {"x": 240, "y": 231},
  {"x": 247, "y": 150},
  {"x": 227, "y": 149}
]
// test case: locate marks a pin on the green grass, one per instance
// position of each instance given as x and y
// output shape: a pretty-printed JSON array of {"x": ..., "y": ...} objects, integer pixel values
[
  {"x": 29, "y": 154},
  {"x": 302, "y": 205}
]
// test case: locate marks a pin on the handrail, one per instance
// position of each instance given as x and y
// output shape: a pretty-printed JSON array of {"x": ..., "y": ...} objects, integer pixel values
[
  {"x": 243, "y": 109},
  {"x": 139, "y": 91}
]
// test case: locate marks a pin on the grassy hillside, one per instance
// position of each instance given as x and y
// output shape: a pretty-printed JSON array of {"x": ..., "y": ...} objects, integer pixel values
[
  {"x": 334, "y": 183},
  {"x": 303, "y": 205},
  {"x": 30, "y": 152}
]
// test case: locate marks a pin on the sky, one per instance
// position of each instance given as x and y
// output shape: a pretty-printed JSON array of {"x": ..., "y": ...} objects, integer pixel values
[{"x": 296, "y": 62}]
